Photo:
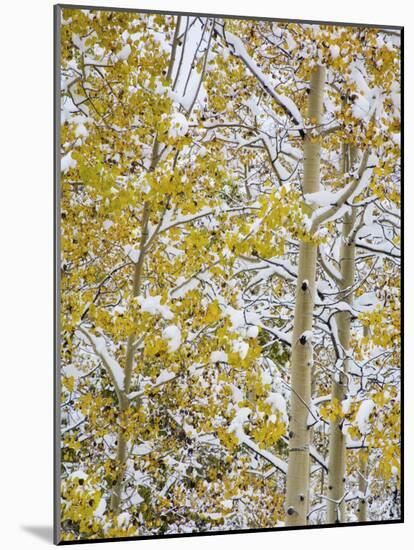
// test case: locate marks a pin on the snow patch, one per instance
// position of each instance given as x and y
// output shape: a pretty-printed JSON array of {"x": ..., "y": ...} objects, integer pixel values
[
  {"x": 321, "y": 198},
  {"x": 124, "y": 53},
  {"x": 114, "y": 366},
  {"x": 173, "y": 334},
  {"x": 362, "y": 417},
  {"x": 252, "y": 332},
  {"x": 79, "y": 474},
  {"x": 179, "y": 125},
  {"x": 132, "y": 253},
  {"x": 334, "y": 50},
  {"x": 107, "y": 224},
  {"x": 100, "y": 510},
  {"x": 236, "y": 317},
  {"x": 218, "y": 357},
  {"x": 152, "y": 305},
  {"x": 123, "y": 519},
  {"x": 241, "y": 347},
  {"x": 278, "y": 404},
  {"x": 67, "y": 162},
  {"x": 164, "y": 376}
]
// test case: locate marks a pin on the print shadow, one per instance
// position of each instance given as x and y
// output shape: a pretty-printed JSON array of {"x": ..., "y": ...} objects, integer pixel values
[{"x": 43, "y": 532}]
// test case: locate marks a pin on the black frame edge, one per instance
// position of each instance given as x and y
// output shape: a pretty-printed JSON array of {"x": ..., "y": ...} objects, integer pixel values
[{"x": 229, "y": 16}]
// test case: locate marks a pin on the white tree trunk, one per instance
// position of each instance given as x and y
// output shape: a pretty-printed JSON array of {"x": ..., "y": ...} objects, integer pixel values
[
  {"x": 301, "y": 359},
  {"x": 336, "y": 509},
  {"x": 363, "y": 456},
  {"x": 129, "y": 365},
  {"x": 121, "y": 457},
  {"x": 362, "y": 484}
]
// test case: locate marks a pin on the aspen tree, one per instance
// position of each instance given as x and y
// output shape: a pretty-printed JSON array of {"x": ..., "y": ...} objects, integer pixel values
[
  {"x": 180, "y": 262},
  {"x": 362, "y": 484},
  {"x": 336, "y": 509},
  {"x": 129, "y": 365},
  {"x": 301, "y": 357},
  {"x": 363, "y": 456},
  {"x": 136, "y": 287}
]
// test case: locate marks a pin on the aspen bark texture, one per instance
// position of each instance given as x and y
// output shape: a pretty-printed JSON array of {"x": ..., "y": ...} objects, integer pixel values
[
  {"x": 336, "y": 509},
  {"x": 302, "y": 352}
]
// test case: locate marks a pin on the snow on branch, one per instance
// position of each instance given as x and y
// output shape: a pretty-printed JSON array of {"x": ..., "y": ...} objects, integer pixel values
[
  {"x": 112, "y": 366},
  {"x": 336, "y": 202},
  {"x": 318, "y": 457},
  {"x": 168, "y": 222},
  {"x": 270, "y": 457},
  {"x": 384, "y": 249},
  {"x": 284, "y": 337},
  {"x": 236, "y": 47},
  {"x": 332, "y": 272}
]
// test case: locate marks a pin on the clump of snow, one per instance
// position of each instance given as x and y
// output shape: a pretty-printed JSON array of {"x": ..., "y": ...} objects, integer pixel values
[
  {"x": 346, "y": 405},
  {"x": 242, "y": 416},
  {"x": 184, "y": 287},
  {"x": 136, "y": 499},
  {"x": 164, "y": 376},
  {"x": 178, "y": 125},
  {"x": 361, "y": 108},
  {"x": 123, "y": 519},
  {"x": 362, "y": 417},
  {"x": 369, "y": 214},
  {"x": 252, "y": 332},
  {"x": 152, "y": 305},
  {"x": 107, "y": 224},
  {"x": 81, "y": 131},
  {"x": 236, "y": 317},
  {"x": 132, "y": 253},
  {"x": 71, "y": 370},
  {"x": 173, "y": 334},
  {"x": 266, "y": 377},
  {"x": 241, "y": 347},
  {"x": 113, "y": 365},
  {"x": 100, "y": 510},
  {"x": 343, "y": 306},
  {"x": 67, "y": 162},
  {"x": 213, "y": 515},
  {"x": 321, "y": 198},
  {"x": 334, "y": 50},
  {"x": 79, "y": 42},
  {"x": 366, "y": 302},
  {"x": 189, "y": 430},
  {"x": 252, "y": 318},
  {"x": 237, "y": 394},
  {"x": 278, "y": 404},
  {"x": 251, "y": 103},
  {"x": 142, "y": 449},
  {"x": 228, "y": 504},
  {"x": 218, "y": 357},
  {"x": 124, "y": 53},
  {"x": 291, "y": 43},
  {"x": 78, "y": 474}
]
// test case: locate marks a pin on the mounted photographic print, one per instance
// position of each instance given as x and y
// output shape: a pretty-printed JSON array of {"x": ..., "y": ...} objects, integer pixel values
[{"x": 228, "y": 274}]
